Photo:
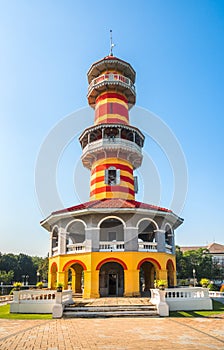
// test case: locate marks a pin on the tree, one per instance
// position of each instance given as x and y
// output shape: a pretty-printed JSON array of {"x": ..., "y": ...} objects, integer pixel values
[
  {"x": 199, "y": 259},
  {"x": 6, "y": 277},
  {"x": 24, "y": 267}
]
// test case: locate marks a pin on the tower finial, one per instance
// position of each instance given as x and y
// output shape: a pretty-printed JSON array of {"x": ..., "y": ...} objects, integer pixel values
[{"x": 111, "y": 43}]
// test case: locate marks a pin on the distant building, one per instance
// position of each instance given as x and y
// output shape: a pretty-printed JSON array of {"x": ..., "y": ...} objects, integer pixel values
[{"x": 215, "y": 249}]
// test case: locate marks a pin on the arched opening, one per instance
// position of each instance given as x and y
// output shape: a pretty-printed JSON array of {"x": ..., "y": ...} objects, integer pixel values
[
  {"x": 111, "y": 280},
  {"x": 74, "y": 276},
  {"x": 147, "y": 275},
  {"x": 146, "y": 236},
  {"x": 54, "y": 241},
  {"x": 75, "y": 236},
  {"x": 168, "y": 238},
  {"x": 170, "y": 273},
  {"x": 112, "y": 234}
]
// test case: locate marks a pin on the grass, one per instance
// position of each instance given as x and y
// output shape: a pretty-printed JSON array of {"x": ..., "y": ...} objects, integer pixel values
[
  {"x": 218, "y": 308},
  {"x": 5, "y": 313}
]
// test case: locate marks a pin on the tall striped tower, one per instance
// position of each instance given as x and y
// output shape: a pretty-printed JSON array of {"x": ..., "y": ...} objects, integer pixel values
[{"x": 112, "y": 147}]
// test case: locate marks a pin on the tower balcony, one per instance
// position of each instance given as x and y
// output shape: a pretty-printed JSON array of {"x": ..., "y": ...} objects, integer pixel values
[
  {"x": 111, "y": 82},
  {"x": 112, "y": 246},
  {"x": 112, "y": 140},
  {"x": 112, "y": 148}
]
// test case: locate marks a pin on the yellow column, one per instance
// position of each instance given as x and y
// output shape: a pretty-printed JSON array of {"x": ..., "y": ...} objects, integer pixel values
[
  {"x": 73, "y": 279},
  {"x": 131, "y": 283},
  {"x": 162, "y": 275},
  {"x": 61, "y": 277},
  {"x": 66, "y": 280},
  {"x": 91, "y": 284}
]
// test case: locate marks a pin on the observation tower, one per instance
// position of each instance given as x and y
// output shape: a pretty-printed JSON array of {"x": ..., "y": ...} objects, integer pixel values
[{"x": 112, "y": 245}]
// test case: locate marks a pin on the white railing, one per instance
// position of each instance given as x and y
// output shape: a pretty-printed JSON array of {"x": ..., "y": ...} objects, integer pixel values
[
  {"x": 40, "y": 301},
  {"x": 214, "y": 294},
  {"x": 168, "y": 248},
  {"x": 43, "y": 296},
  {"x": 111, "y": 78},
  {"x": 76, "y": 248},
  {"x": 111, "y": 246},
  {"x": 147, "y": 246},
  {"x": 192, "y": 298},
  {"x": 5, "y": 298},
  {"x": 55, "y": 250},
  {"x": 117, "y": 142}
]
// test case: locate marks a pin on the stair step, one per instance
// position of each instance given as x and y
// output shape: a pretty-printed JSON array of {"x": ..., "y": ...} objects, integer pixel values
[
  {"x": 103, "y": 314},
  {"x": 110, "y": 308}
]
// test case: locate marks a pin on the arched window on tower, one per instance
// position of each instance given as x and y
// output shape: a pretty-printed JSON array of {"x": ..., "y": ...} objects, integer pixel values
[
  {"x": 112, "y": 176},
  {"x": 168, "y": 236},
  {"x": 54, "y": 241}
]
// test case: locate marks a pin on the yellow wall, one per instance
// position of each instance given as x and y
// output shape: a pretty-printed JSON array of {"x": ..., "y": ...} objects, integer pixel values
[{"x": 91, "y": 274}]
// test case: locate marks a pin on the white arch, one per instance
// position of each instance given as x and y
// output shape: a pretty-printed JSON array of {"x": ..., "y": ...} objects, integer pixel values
[
  {"x": 147, "y": 219},
  {"x": 75, "y": 220},
  {"x": 170, "y": 227},
  {"x": 111, "y": 217},
  {"x": 54, "y": 227}
]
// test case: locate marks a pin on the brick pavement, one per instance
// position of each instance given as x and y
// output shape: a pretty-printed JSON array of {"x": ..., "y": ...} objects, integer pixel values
[{"x": 113, "y": 333}]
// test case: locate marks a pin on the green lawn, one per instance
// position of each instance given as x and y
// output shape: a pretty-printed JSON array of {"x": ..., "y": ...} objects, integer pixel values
[
  {"x": 5, "y": 313},
  {"x": 218, "y": 308}
]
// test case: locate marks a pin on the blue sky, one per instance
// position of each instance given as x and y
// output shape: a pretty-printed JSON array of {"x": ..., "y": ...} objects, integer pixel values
[{"x": 176, "y": 48}]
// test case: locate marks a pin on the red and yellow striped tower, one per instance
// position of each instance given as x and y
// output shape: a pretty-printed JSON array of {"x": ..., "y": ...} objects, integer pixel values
[{"x": 112, "y": 147}]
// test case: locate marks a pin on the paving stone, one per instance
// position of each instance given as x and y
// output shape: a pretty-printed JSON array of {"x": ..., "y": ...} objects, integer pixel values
[{"x": 114, "y": 333}]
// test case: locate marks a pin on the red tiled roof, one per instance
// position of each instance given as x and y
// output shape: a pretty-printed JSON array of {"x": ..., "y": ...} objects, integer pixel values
[
  {"x": 112, "y": 203},
  {"x": 214, "y": 248}
]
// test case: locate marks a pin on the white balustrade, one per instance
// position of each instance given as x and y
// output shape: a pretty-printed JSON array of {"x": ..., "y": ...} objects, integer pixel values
[
  {"x": 111, "y": 246},
  {"x": 5, "y": 298},
  {"x": 111, "y": 78},
  {"x": 115, "y": 141},
  {"x": 214, "y": 294},
  {"x": 76, "y": 248},
  {"x": 192, "y": 298},
  {"x": 55, "y": 250},
  {"x": 168, "y": 248},
  {"x": 39, "y": 301},
  {"x": 147, "y": 246}
]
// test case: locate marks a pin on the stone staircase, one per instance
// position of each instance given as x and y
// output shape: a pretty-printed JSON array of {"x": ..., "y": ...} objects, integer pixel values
[{"x": 110, "y": 307}]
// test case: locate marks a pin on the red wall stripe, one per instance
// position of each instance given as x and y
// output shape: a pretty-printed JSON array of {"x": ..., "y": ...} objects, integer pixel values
[
  {"x": 116, "y": 165},
  {"x": 111, "y": 108},
  {"x": 111, "y": 95},
  {"x": 112, "y": 189},
  {"x": 122, "y": 177}
]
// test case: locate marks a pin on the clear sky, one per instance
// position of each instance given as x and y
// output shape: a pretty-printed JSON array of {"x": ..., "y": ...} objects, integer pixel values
[{"x": 177, "y": 50}]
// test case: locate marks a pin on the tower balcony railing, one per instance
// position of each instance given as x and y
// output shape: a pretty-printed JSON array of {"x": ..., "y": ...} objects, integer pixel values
[
  {"x": 112, "y": 141},
  {"x": 111, "y": 78},
  {"x": 147, "y": 246},
  {"x": 55, "y": 250},
  {"x": 168, "y": 248},
  {"x": 111, "y": 246},
  {"x": 76, "y": 248}
]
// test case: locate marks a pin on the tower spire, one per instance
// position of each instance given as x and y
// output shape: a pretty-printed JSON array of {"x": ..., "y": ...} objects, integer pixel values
[{"x": 111, "y": 43}]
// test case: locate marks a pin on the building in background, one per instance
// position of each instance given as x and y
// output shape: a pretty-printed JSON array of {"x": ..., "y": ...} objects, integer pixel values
[
  {"x": 112, "y": 245},
  {"x": 215, "y": 250}
]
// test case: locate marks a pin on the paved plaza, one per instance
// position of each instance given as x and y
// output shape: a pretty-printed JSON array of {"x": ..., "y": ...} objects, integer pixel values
[{"x": 113, "y": 333}]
